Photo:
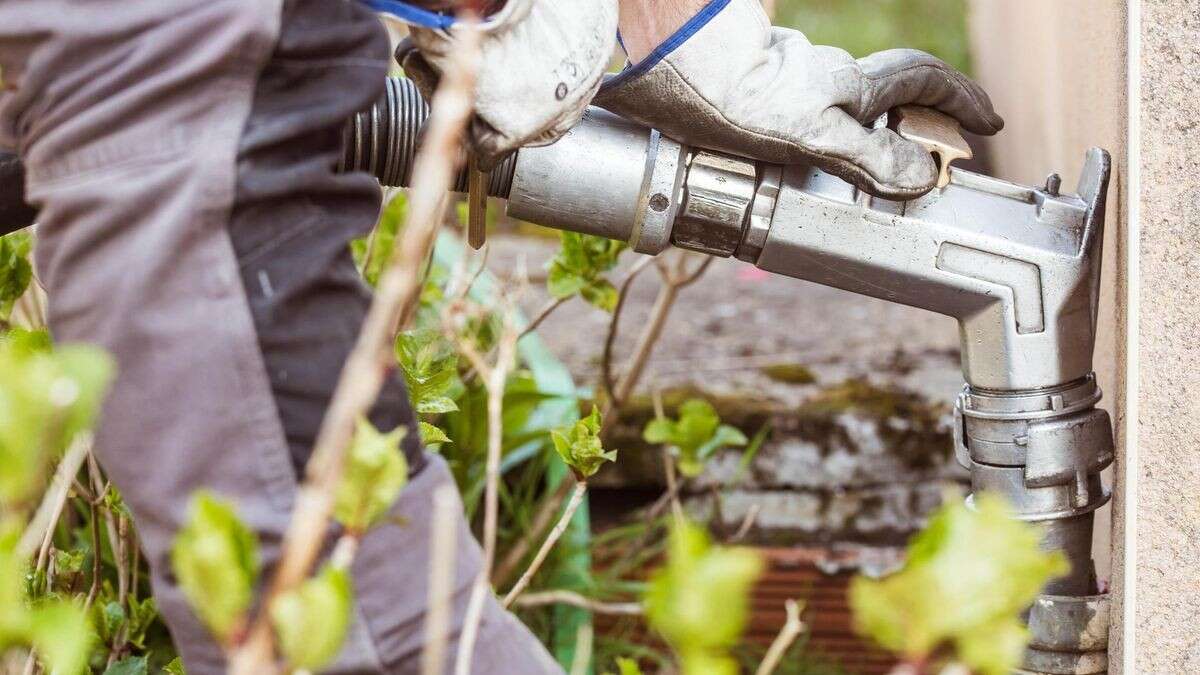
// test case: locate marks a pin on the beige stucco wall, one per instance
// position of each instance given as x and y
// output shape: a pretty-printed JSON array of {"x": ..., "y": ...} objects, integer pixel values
[
  {"x": 1167, "y": 564},
  {"x": 1058, "y": 71}
]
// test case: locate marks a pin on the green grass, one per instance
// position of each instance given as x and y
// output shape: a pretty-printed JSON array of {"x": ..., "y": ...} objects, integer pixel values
[{"x": 864, "y": 26}]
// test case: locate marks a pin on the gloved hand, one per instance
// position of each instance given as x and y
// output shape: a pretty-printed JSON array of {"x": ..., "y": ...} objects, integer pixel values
[
  {"x": 542, "y": 61},
  {"x": 728, "y": 80}
]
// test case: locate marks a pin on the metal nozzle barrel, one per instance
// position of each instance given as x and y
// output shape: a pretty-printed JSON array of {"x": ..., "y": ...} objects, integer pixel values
[{"x": 383, "y": 141}]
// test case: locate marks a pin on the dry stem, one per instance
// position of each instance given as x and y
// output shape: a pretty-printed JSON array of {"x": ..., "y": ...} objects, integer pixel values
[
  {"x": 787, "y": 635},
  {"x": 545, "y": 311},
  {"x": 607, "y": 377},
  {"x": 41, "y": 529},
  {"x": 441, "y": 580},
  {"x": 368, "y": 363},
  {"x": 675, "y": 277},
  {"x": 494, "y": 377},
  {"x": 564, "y": 597},
  {"x": 551, "y": 540},
  {"x": 542, "y": 519}
]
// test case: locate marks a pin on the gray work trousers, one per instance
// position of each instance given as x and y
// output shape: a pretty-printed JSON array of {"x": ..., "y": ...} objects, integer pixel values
[{"x": 182, "y": 156}]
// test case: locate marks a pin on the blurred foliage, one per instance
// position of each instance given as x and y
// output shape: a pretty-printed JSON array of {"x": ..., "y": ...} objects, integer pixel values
[
  {"x": 865, "y": 26},
  {"x": 579, "y": 268},
  {"x": 699, "y": 601},
  {"x": 312, "y": 620},
  {"x": 375, "y": 472},
  {"x": 46, "y": 398},
  {"x": 967, "y": 578},
  {"x": 215, "y": 559}
]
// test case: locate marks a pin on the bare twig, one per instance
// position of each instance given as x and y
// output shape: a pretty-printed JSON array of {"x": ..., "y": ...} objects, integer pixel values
[
  {"x": 564, "y": 597},
  {"x": 542, "y": 519},
  {"x": 544, "y": 312},
  {"x": 676, "y": 277},
  {"x": 41, "y": 529},
  {"x": 747, "y": 523},
  {"x": 552, "y": 539},
  {"x": 95, "y": 529},
  {"x": 607, "y": 377},
  {"x": 787, "y": 635},
  {"x": 672, "y": 486},
  {"x": 441, "y": 580},
  {"x": 494, "y": 377},
  {"x": 344, "y": 551},
  {"x": 368, "y": 363}
]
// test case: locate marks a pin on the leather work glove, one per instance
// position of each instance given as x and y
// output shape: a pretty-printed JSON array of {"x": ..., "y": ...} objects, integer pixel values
[
  {"x": 729, "y": 81},
  {"x": 542, "y": 61}
]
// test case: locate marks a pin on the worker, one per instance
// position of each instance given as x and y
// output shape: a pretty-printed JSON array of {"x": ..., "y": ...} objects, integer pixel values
[{"x": 182, "y": 157}]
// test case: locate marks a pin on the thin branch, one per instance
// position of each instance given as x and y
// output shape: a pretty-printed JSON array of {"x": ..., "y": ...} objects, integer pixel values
[
  {"x": 641, "y": 353},
  {"x": 495, "y": 377},
  {"x": 747, "y": 523},
  {"x": 787, "y": 635},
  {"x": 344, "y": 551},
  {"x": 546, "y": 311},
  {"x": 565, "y": 597},
  {"x": 607, "y": 377},
  {"x": 441, "y": 580},
  {"x": 560, "y": 527},
  {"x": 41, "y": 529},
  {"x": 96, "y": 558},
  {"x": 672, "y": 486},
  {"x": 675, "y": 277},
  {"x": 542, "y": 519},
  {"x": 368, "y": 364}
]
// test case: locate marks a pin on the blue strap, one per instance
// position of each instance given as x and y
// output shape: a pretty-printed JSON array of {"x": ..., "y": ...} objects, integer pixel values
[
  {"x": 410, "y": 14},
  {"x": 685, "y": 32}
]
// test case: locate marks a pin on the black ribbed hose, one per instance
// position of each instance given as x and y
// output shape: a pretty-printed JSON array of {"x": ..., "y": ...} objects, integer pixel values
[{"x": 383, "y": 141}]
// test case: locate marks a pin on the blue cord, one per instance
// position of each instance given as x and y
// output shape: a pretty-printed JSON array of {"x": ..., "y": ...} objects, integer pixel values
[{"x": 411, "y": 14}]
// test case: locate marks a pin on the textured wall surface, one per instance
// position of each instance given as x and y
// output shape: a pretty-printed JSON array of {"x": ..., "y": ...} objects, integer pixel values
[{"x": 1168, "y": 489}]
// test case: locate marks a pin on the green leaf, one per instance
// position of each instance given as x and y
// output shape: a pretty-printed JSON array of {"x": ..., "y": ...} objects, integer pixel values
[
  {"x": 46, "y": 398},
  {"x": 699, "y": 600},
  {"x": 60, "y": 634},
  {"x": 112, "y": 616},
  {"x": 432, "y": 435},
  {"x": 437, "y": 405},
  {"x": 215, "y": 558},
  {"x": 375, "y": 473},
  {"x": 312, "y": 620},
  {"x": 579, "y": 268},
  {"x": 15, "y": 270},
  {"x": 372, "y": 253},
  {"x": 175, "y": 667},
  {"x": 430, "y": 367},
  {"x": 628, "y": 666},
  {"x": 695, "y": 436},
  {"x": 967, "y": 578},
  {"x": 600, "y": 293},
  {"x": 130, "y": 665},
  {"x": 580, "y": 447}
]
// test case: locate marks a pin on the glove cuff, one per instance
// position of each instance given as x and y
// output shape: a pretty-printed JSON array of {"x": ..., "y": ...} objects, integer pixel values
[{"x": 663, "y": 50}]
